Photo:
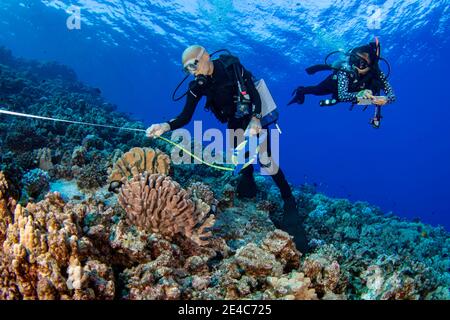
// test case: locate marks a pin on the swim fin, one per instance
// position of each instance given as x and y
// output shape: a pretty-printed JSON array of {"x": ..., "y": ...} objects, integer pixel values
[
  {"x": 299, "y": 96},
  {"x": 246, "y": 188}
]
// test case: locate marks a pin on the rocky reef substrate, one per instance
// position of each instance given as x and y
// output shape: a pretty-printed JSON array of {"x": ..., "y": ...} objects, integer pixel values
[{"x": 174, "y": 232}]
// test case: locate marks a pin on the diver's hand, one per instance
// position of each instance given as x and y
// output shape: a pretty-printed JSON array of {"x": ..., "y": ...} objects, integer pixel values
[
  {"x": 157, "y": 130},
  {"x": 379, "y": 101},
  {"x": 254, "y": 127}
]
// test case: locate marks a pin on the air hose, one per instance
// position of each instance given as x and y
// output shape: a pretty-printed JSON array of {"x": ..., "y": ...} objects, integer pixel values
[{"x": 17, "y": 114}]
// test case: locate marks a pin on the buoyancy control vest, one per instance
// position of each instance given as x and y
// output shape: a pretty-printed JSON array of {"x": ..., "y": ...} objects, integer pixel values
[{"x": 227, "y": 97}]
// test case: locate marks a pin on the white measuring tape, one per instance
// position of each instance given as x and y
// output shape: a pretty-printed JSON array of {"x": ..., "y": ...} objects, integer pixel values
[
  {"x": 18, "y": 114},
  {"x": 11, "y": 113}
]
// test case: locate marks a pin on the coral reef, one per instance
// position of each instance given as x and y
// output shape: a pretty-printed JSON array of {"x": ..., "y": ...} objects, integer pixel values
[
  {"x": 43, "y": 241},
  {"x": 158, "y": 204},
  {"x": 92, "y": 176},
  {"x": 36, "y": 183},
  {"x": 139, "y": 160},
  {"x": 293, "y": 287},
  {"x": 44, "y": 159},
  {"x": 158, "y": 238}
]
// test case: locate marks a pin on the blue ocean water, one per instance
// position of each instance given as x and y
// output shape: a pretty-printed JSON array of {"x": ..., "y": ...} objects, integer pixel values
[{"x": 131, "y": 51}]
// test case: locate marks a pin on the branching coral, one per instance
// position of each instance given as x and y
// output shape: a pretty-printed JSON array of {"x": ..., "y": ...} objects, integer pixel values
[
  {"x": 156, "y": 203},
  {"x": 43, "y": 241},
  {"x": 137, "y": 161}
]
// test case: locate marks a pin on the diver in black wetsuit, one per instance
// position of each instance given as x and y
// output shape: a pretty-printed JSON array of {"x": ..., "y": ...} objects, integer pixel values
[
  {"x": 216, "y": 80},
  {"x": 360, "y": 79}
]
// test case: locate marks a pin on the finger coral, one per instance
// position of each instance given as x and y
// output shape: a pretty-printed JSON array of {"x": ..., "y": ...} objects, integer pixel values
[
  {"x": 155, "y": 203},
  {"x": 6, "y": 207},
  {"x": 137, "y": 161},
  {"x": 43, "y": 241}
]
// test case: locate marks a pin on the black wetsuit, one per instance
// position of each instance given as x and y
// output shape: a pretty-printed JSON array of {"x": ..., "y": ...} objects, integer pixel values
[
  {"x": 344, "y": 86},
  {"x": 221, "y": 89}
]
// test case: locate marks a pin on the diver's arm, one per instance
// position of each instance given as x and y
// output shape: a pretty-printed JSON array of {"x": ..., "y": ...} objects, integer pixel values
[
  {"x": 254, "y": 94},
  {"x": 192, "y": 99},
  {"x": 387, "y": 88},
  {"x": 343, "y": 94}
]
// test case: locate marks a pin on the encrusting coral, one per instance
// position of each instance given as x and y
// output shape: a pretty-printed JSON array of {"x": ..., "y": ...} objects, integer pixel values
[
  {"x": 156, "y": 203},
  {"x": 293, "y": 287}
]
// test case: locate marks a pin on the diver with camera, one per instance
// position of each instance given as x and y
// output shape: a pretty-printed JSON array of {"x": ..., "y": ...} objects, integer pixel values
[{"x": 356, "y": 78}]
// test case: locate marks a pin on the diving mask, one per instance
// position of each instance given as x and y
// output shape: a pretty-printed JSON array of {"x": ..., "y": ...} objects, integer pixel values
[
  {"x": 191, "y": 65},
  {"x": 359, "y": 62}
]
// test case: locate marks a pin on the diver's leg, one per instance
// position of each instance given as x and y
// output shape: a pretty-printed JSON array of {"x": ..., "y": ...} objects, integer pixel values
[
  {"x": 246, "y": 187},
  {"x": 322, "y": 89},
  {"x": 291, "y": 222}
]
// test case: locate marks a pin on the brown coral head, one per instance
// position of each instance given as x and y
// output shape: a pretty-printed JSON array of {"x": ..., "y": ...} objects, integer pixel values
[
  {"x": 155, "y": 203},
  {"x": 137, "y": 161}
]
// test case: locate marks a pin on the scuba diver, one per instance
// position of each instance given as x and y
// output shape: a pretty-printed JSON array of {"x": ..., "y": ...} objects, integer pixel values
[
  {"x": 234, "y": 99},
  {"x": 357, "y": 79}
]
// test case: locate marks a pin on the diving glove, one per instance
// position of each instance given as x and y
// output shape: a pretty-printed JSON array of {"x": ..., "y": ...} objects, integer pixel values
[
  {"x": 157, "y": 130},
  {"x": 299, "y": 96}
]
